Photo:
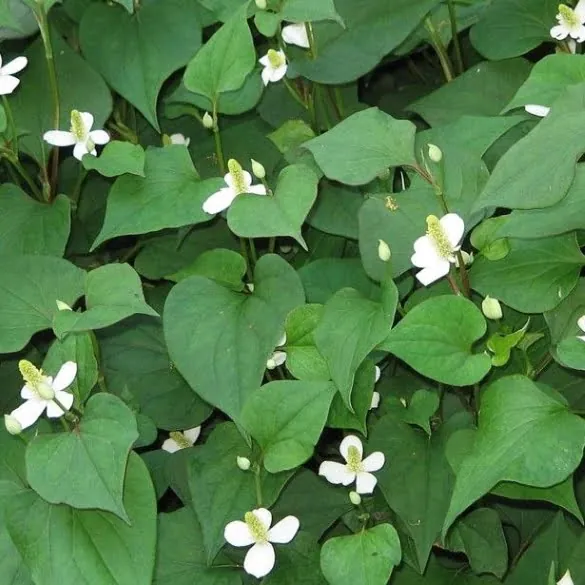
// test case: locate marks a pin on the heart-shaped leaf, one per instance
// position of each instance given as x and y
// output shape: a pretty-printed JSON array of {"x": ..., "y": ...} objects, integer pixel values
[{"x": 117, "y": 158}]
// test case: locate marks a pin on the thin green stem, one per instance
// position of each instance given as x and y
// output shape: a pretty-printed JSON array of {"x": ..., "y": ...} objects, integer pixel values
[
  {"x": 77, "y": 188},
  {"x": 453, "y": 284},
  {"x": 294, "y": 93},
  {"x": 339, "y": 102},
  {"x": 544, "y": 363},
  {"x": 11, "y": 125},
  {"x": 454, "y": 34},
  {"x": 271, "y": 245},
  {"x": 253, "y": 253},
  {"x": 217, "y": 140},
  {"x": 258, "y": 483},
  {"x": 440, "y": 50},
  {"x": 246, "y": 256},
  {"x": 464, "y": 275}
]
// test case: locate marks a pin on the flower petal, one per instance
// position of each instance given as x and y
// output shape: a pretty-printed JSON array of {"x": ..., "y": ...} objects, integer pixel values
[
  {"x": 266, "y": 75},
  {"x": 365, "y": 483},
  {"x": 278, "y": 73},
  {"x": 351, "y": 441},
  {"x": 8, "y": 84},
  {"x": 579, "y": 10},
  {"x": 566, "y": 579},
  {"x": 80, "y": 149},
  {"x": 257, "y": 189},
  {"x": 296, "y": 34},
  {"x": 99, "y": 136},
  {"x": 65, "y": 376},
  {"x": 29, "y": 412},
  {"x": 276, "y": 359},
  {"x": 87, "y": 120},
  {"x": 219, "y": 201},
  {"x": 559, "y": 32},
  {"x": 192, "y": 434},
  {"x": 284, "y": 531},
  {"x": 536, "y": 110},
  {"x": 336, "y": 473},
  {"x": 259, "y": 560},
  {"x": 454, "y": 228},
  {"x": 378, "y": 373},
  {"x": 237, "y": 533},
  {"x": 374, "y": 462},
  {"x": 264, "y": 61},
  {"x": 264, "y": 515},
  {"x": 170, "y": 446},
  {"x": 375, "y": 400},
  {"x": 425, "y": 252},
  {"x": 14, "y": 66},
  {"x": 281, "y": 340},
  {"x": 59, "y": 138},
  {"x": 27, "y": 393},
  {"x": 581, "y": 323},
  {"x": 431, "y": 273}
]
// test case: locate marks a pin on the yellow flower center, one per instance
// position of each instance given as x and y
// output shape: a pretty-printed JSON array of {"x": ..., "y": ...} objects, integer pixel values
[
  {"x": 180, "y": 439},
  {"x": 77, "y": 126},
  {"x": 256, "y": 526},
  {"x": 237, "y": 174},
  {"x": 36, "y": 380},
  {"x": 437, "y": 234},
  {"x": 354, "y": 460},
  {"x": 568, "y": 15},
  {"x": 275, "y": 59}
]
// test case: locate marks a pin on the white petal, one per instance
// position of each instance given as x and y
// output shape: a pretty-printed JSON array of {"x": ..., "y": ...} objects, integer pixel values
[
  {"x": 266, "y": 74},
  {"x": 378, "y": 373},
  {"x": 365, "y": 483},
  {"x": 559, "y": 32},
  {"x": 276, "y": 359},
  {"x": 581, "y": 323},
  {"x": 87, "y": 120},
  {"x": 219, "y": 201},
  {"x": 247, "y": 179},
  {"x": 81, "y": 149},
  {"x": 27, "y": 393},
  {"x": 296, "y": 34},
  {"x": 579, "y": 10},
  {"x": 351, "y": 441},
  {"x": 374, "y": 462},
  {"x": 581, "y": 337},
  {"x": 170, "y": 446},
  {"x": 99, "y": 136},
  {"x": 430, "y": 274},
  {"x": 425, "y": 252},
  {"x": 259, "y": 560},
  {"x": 65, "y": 376},
  {"x": 257, "y": 189},
  {"x": 284, "y": 531},
  {"x": 336, "y": 473},
  {"x": 14, "y": 66},
  {"x": 29, "y": 412},
  {"x": 8, "y": 84},
  {"x": 281, "y": 340},
  {"x": 264, "y": 515},
  {"x": 59, "y": 138},
  {"x": 454, "y": 228},
  {"x": 572, "y": 46},
  {"x": 192, "y": 434},
  {"x": 278, "y": 73},
  {"x": 179, "y": 139},
  {"x": 264, "y": 61},
  {"x": 237, "y": 533},
  {"x": 578, "y": 34},
  {"x": 536, "y": 110},
  {"x": 375, "y": 400},
  {"x": 54, "y": 410},
  {"x": 566, "y": 579}
]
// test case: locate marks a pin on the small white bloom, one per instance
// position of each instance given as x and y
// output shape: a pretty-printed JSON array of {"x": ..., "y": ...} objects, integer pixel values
[
  {"x": 375, "y": 400},
  {"x": 62, "y": 306},
  {"x": 296, "y": 34},
  {"x": 278, "y": 357},
  {"x": 566, "y": 579},
  {"x": 181, "y": 440},
  {"x": 243, "y": 463},
  {"x": 12, "y": 425},
  {"x": 536, "y": 110},
  {"x": 570, "y": 23},
  {"x": 435, "y": 251},
  {"x": 180, "y": 139},
  {"x": 256, "y": 531},
  {"x": 355, "y": 498},
  {"x": 435, "y": 153},
  {"x": 207, "y": 121},
  {"x": 384, "y": 252},
  {"x": 491, "y": 308},
  {"x": 8, "y": 83},
  {"x": 275, "y": 66},
  {"x": 238, "y": 181},
  {"x": 377, "y": 373},
  {"x": 40, "y": 393},
  {"x": 258, "y": 169},
  {"x": 80, "y": 134},
  {"x": 581, "y": 323},
  {"x": 355, "y": 469}
]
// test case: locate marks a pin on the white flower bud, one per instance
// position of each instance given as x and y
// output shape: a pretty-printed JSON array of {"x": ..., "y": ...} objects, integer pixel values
[
  {"x": 261, "y": 4},
  {"x": 566, "y": 579},
  {"x": 243, "y": 463},
  {"x": 258, "y": 170},
  {"x": 12, "y": 425},
  {"x": 207, "y": 121},
  {"x": 491, "y": 308},
  {"x": 384, "y": 252},
  {"x": 355, "y": 498},
  {"x": 435, "y": 153},
  {"x": 63, "y": 306}
]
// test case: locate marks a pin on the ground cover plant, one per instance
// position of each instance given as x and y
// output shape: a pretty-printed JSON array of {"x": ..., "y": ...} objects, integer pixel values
[{"x": 291, "y": 292}]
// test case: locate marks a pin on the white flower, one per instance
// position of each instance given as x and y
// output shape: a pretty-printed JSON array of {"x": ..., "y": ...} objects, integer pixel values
[
  {"x": 8, "y": 83},
  {"x": 581, "y": 323},
  {"x": 238, "y": 181},
  {"x": 278, "y": 357},
  {"x": 435, "y": 251},
  {"x": 566, "y": 579},
  {"x": 179, "y": 139},
  {"x": 80, "y": 134},
  {"x": 570, "y": 23},
  {"x": 355, "y": 469},
  {"x": 41, "y": 393},
  {"x": 275, "y": 66},
  {"x": 296, "y": 34},
  {"x": 536, "y": 110},
  {"x": 181, "y": 440},
  {"x": 256, "y": 531},
  {"x": 376, "y": 395}
]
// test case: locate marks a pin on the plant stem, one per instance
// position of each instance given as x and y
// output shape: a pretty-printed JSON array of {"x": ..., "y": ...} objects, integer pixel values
[
  {"x": 246, "y": 258},
  {"x": 453, "y": 284},
  {"x": 339, "y": 102},
  {"x": 217, "y": 140},
  {"x": 544, "y": 363},
  {"x": 440, "y": 50},
  {"x": 25, "y": 177},
  {"x": 455, "y": 36},
  {"x": 464, "y": 275},
  {"x": 77, "y": 188},
  {"x": 294, "y": 93},
  {"x": 253, "y": 254},
  {"x": 258, "y": 483},
  {"x": 11, "y": 125},
  {"x": 271, "y": 245}
]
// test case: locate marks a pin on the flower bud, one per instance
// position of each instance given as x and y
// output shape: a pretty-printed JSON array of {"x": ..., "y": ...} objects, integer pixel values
[
  {"x": 355, "y": 498},
  {"x": 12, "y": 425},
  {"x": 243, "y": 463},
  {"x": 261, "y": 4},
  {"x": 491, "y": 308},
  {"x": 435, "y": 153},
  {"x": 63, "y": 306},
  {"x": 258, "y": 170},
  {"x": 566, "y": 579},
  {"x": 384, "y": 251},
  {"x": 207, "y": 121}
]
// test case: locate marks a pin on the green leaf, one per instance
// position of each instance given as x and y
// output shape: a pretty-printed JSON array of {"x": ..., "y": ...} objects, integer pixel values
[
  {"x": 220, "y": 339},
  {"x": 550, "y": 265},
  {"x": 351, "y": 327},
  {"x": 436, "y": 337},
  {"x": 143, "y": 50},
  {"x": 93, "y": 458},
  {"x": 63, "y": 545},
  {"x": 421, "y": 408},
  {"x": 112, "y": 293},
  {"x": 525, "y": 435},
  {"x": 366, "y": 558},
  {"x": 336, "y": 210},
  {"x": 309, "y": 11},
  {"x": 170, "y": 195},
  {"x": 16, "y": 19},
  {"x": 280, "y": 214},
  {"x": 356, "y": 150},
  {"x": 117, "y": 158},
  {"x": 31, "y": 285},
  {"x": 224, "y": 62},
  {"x": 286, "y": 418},
  {"x": 30, "y": 227}
]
